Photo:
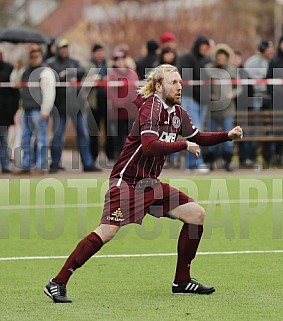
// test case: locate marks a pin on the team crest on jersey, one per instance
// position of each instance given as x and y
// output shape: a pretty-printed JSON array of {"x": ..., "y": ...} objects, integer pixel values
[{"x": 176, "y": 122}]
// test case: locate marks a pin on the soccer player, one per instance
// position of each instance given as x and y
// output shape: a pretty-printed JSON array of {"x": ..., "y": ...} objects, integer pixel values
[{"x": 134, "y": 186}]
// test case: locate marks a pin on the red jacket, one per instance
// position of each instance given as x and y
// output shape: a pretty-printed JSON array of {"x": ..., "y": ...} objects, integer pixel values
[{"x": 122, "y": 97}]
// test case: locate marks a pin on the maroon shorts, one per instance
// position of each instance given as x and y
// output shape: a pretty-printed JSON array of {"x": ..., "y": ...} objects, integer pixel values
[{"x": 129, "y": 203}]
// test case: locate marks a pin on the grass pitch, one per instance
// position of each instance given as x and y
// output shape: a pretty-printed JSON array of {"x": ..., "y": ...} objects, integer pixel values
[{"x": 47, "y": 218}]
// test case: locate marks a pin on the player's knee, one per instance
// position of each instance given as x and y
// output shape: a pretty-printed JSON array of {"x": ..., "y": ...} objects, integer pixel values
[
  {"x": 107, "y": 232},
  {"x": 201, "y": 214},
  {"x": 194, "y": 215}
]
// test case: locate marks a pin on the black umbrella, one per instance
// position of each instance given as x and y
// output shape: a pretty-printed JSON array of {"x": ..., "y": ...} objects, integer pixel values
[{"x": 23, "y": 34}]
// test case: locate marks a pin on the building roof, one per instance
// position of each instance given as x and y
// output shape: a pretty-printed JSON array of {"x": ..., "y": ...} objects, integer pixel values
[{"x": 62, "y": 18}]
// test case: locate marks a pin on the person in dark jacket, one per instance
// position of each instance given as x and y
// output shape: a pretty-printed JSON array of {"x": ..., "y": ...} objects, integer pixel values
[
  {"x": 191, "y": 66},
  {"x": 67, "y": 103},
  {"x": 150, "y": 60},
  {"x": 97, "y": 103},
  {"x": 275, "y": 70},
  {"x": 9, "y": 101},
  {"x": 51, "y": 49},
  {"x": 243, "y": 103}
]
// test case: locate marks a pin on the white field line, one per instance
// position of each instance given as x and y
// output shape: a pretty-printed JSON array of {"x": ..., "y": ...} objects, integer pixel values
[
  {"x": 89, "y": 205},
  {"x": 106, "y": 256}
]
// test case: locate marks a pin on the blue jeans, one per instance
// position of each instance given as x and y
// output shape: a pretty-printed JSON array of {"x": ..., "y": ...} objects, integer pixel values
[
  {"x": 34, "y": 126},
  {"x": 226, "y": 124},
  {"x": 4, "y": 157},
  {"x": 80, "y": 124},
  {"x": 196, "y": 113}
]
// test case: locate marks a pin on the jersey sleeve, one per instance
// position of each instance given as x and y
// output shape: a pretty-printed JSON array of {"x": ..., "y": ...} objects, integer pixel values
[
  {"x": 210, "y": 138},
  {"x": 188, "y": 129},
  {"x": 151, "y": 146},
  {"x": 149, "y": 116}
]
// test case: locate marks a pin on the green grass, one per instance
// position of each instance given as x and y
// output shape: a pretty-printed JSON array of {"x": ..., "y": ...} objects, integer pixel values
[{"x": 248, "y": 286}]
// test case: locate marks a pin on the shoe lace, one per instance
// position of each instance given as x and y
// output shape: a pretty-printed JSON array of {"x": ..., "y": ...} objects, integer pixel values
[
  {"x": 63, "y": 290},
  {"x": 195, "y": 280}
]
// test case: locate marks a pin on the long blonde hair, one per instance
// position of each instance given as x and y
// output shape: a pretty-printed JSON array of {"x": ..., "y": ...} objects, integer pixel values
[{"x": 155, "y": 76}]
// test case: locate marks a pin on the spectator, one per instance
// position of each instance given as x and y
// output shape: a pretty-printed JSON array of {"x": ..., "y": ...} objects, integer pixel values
[
  {"x": 37, "y": 104},
  {"x": 195, "y": 98},
  {"x": 242, "y": 102},
  {"x": 143, "y": 53},
  {"x": 15, "y": 132},
  {"x": 97, "y": 101},
  {"x": 222, "y": 103},
  {"x": 17, "y": 72},
  {"x": 67, "y": 104},
  {"x": 51, "y": 49},
  {"x": 275, "y": 70},
  {"x": 256, "y": 67},
  {"x": 129, "y": 61},
  {"x": 8, "y": 107},
  {"x": 168, "y": 39},
  {"x": 168, "y": 55},
  {"x": 123, "y": 111},
  {"x": 150, "y": 60}
]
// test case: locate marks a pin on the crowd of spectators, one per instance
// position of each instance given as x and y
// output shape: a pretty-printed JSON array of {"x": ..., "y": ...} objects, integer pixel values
[{"x": 102, "y": 115}]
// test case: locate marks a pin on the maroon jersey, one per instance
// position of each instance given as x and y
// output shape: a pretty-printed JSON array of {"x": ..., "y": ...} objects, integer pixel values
[{"x": 154, "y": 118}]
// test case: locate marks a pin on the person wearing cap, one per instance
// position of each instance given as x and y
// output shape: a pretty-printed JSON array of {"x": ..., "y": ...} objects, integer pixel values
[
  {"x": 168, "y": 39},
  {"x": 144, "y": 64},
  {"x": 256, "y": 67},
  {"x": 68, "y": 104},
  {"x": 195, "y": 98},
  {"x": 97, "y": 105},
  {"x": 37, "y": 104},
  {"x": 130, "y": 62}
]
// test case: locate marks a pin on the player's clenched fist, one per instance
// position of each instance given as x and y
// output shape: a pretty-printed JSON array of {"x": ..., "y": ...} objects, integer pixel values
[
  {"x": 193, "y": 148},
  {"x": 236, "y": 133}
]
